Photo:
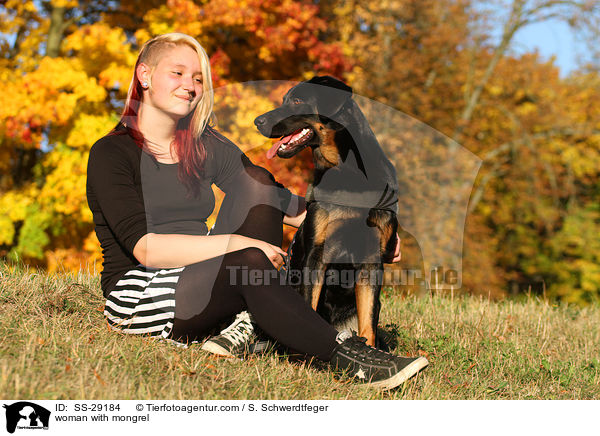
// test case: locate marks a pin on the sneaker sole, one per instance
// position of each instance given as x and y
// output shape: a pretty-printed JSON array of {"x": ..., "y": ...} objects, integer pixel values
[
  {"x": 399, "y": 378},
  {"x": 211, "y": 347}
]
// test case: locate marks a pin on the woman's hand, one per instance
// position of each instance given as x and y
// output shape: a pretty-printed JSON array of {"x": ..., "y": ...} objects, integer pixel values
[
  {"x": 397, "y": 253},
  {"x": 274, "y": 253},
  {"x": 294, "y": 221}
]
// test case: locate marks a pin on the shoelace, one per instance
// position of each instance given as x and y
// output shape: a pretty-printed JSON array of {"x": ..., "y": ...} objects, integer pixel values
[
  {"x": 240, "y": 330},
  {"x": 371, "y": 352}
]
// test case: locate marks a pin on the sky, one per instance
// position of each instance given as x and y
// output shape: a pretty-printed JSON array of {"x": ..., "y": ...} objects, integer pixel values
[{"x": 551, "y": 38}]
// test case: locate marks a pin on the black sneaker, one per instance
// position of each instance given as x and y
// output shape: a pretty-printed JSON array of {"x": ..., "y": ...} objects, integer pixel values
[
  {"x": 238, "y": 340},
  {"x": 377, "y": 368}
]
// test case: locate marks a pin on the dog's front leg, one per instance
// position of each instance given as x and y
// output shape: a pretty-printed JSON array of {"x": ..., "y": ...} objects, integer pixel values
[
  {"x": 313, "y": 278},
  {"x": 315, "y": 228},
  {"x": 315, "y": 292},
  {"x": 364, "y": 308},
  {"x": 367, "y": 306}
]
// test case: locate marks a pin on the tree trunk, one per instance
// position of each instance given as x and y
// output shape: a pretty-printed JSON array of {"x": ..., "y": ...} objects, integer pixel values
[{"x": 55, "y": 33}]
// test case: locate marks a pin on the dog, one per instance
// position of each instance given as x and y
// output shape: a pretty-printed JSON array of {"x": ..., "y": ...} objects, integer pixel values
[{"x": 336, "y": 258}]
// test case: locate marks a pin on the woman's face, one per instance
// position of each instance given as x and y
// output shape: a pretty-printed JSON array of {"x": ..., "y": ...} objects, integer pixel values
[{"x": 176, "y": 82}]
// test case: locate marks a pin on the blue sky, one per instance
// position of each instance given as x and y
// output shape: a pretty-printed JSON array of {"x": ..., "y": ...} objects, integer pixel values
[{"x": 550, "y": 38}]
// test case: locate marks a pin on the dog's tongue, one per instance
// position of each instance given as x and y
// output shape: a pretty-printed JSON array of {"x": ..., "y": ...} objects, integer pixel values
[{"x": 273, "y": 150}]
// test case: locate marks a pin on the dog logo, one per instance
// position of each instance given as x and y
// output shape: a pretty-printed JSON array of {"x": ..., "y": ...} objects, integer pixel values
[{"x": 26, "y": 415}]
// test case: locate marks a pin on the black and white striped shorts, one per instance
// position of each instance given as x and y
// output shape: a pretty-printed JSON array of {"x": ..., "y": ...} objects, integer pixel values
[{"x": 143, "y": 302}]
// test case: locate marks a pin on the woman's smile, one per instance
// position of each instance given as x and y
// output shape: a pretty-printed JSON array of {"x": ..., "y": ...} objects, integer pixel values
[
  {"x": 189, "y": 99},
  {"x": 185, "y": 97}
]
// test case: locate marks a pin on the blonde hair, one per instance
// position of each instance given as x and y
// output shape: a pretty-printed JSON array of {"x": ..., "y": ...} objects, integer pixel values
[{"x": 152, "y": 52}]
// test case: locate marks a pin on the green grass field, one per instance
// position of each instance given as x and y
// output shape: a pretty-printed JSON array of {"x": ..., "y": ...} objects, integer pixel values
[{"x": 55, "y": 344}]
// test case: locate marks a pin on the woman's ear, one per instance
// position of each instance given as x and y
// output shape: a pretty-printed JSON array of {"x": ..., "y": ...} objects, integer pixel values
[{"x": 143, "y": 75}]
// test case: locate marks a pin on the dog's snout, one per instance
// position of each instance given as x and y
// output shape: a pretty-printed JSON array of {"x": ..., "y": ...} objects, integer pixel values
[{"x": 260, "y": 121}]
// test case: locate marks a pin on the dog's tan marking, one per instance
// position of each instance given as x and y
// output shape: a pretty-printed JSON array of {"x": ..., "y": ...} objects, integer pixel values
[
  {"x": 328, "y": 148},
  {"x": 385, "y": 232},
  {"x": 316, "y": 292},
  {"x": 321, "y": 224},
  {"x": 328, "y": 221},
  {"x": 364, "y": 310},
  {"x": 320, "y": 228}
]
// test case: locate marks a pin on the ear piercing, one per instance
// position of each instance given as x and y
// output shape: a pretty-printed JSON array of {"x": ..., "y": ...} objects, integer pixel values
[{"x": 145, "y": 85}]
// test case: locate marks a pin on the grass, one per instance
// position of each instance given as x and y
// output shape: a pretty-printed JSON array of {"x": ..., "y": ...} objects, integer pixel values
[{"x": 55, "y": 344}]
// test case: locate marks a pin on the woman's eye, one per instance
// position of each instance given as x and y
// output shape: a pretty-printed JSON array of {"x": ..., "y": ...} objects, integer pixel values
[
  {"x": 177, "y": 72},
  {"x": 199, "y": 81}
]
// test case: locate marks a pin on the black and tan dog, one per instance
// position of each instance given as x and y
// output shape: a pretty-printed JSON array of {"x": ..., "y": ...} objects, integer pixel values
[{"x": 337, "y": 255}]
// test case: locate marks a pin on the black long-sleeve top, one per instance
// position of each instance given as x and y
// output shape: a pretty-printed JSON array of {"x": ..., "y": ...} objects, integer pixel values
[{"x": 130, "y": 194}]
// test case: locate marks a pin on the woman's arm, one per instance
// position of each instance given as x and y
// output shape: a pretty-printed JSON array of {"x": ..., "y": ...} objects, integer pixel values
[
  {"x": 172, "y": 251},
  {"x": 295, "y": 220}
]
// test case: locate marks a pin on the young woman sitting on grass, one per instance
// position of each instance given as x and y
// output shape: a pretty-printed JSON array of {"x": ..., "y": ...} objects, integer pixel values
[{"x": 149, "y": 189}]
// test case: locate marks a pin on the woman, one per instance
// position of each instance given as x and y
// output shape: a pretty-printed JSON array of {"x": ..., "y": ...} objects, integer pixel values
[{"x": 149, "y": 189}]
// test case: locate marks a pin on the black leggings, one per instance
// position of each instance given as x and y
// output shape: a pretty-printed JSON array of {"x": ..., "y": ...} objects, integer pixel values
[{"x": 211, "y": 291}]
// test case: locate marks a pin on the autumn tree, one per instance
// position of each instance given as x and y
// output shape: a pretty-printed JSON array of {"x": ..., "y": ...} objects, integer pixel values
[
  {"x": 533, "y": 217},
  {"x": 438, "y": 61},
  {"x": 66, "y": 66}
]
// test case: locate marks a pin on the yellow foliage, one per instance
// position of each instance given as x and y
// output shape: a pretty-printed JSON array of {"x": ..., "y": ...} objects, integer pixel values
[
  {"x": 64, "y": 190},
  {"x": 50, "y": 94},
  {"x": 13, "y": 208},
  {"x": 91, "y": 244},
  {"x": 159, "y": 20},
  {"x": 265, "y": 54},
  {"x": 13, "y": 204},
  {"x": 416, "y": 55},
  {"x": 176, "y": 16},
  {"x": 495, "y": 90},
  {"x": 141, "y": 36},
  {"x": 20, "y": 9},
  {"x": 103, "y": 53},
  {"x": 65, "y": 3},
  {"x": 236, "y": 107},
  {"x": 527, "y": 109},
  {"x": 7, "y": 230},
  {"x": 29, "y": 49},
  {"x": 88, "y": 128},
  {"x": 16, "y": 16},
  {"x": 116, "y": 76}
]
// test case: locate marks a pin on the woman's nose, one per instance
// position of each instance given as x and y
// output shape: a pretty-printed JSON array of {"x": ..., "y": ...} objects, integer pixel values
[{"x": 188, "y": 84}]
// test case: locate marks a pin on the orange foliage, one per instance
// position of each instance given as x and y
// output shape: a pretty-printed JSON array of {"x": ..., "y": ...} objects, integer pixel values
[{"x": 537, "y": 133}]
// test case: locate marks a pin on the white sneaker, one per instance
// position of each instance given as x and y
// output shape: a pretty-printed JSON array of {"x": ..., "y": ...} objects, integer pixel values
[{"x": 238, "y": 339}]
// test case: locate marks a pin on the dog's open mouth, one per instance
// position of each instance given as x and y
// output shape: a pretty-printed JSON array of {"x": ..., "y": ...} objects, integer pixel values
[{"x": 290, "y": 144}]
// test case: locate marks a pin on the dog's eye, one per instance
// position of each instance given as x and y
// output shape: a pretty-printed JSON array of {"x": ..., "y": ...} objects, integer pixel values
[{"x": 296, "y": 101}]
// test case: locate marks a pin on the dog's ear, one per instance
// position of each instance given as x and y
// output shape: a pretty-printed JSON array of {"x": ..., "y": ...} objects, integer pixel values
[
  {"x": 332, "y": 82},
  {"x": 333, "y": 94}
]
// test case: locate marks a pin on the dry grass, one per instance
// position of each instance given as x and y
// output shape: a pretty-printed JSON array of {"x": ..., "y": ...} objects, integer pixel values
[{"x": 55, "y": 344}]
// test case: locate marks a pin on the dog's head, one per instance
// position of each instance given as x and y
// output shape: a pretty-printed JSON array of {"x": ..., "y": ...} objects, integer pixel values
[{"x": 305, "y": 117}]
